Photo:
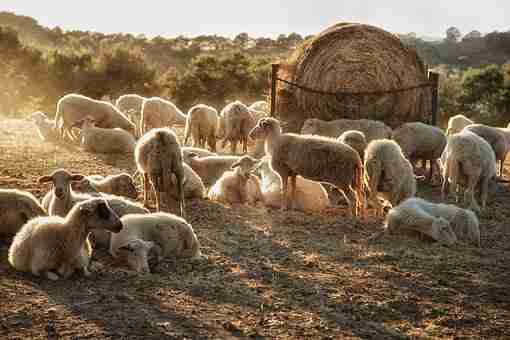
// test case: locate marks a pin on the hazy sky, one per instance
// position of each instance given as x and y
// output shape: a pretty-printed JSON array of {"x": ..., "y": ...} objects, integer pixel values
[{"x": 263, "y": 17}]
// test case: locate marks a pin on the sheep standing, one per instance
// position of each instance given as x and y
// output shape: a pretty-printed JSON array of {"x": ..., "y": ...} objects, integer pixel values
[
  {"x": 310, "y": 196},
  {"x": 468, "y": 160},
  {"x": 495, "y": 137},
  {"x": 202, "y": 125},
  {"x": 388, "y": 173},
  {"x": 315, "y": 158},
  {"x": 120, "y": 185},
  {"x": 95, "y": 139},
  {"x": 355, "y": 139},
  {"x": 73, "y": 107},
  {"x": 457, "y": 123},
  {"x": 210, "y": 168},
  {"x": 237, "y": 122},
  {"x": 372, "y": 129},
  {"x": 421, "y": 141},
  {"x": 48, "y": 243},
  {"x": 16, "y": 208},
  {"x": 169, "y": 236},
  {"x": 45, "y": 126},
  {"x": 238, "y": 186},
  {"x": 157, "y": 112},
  {"x": 429, "y": 218},
  {"x": 158, "y": 157}
]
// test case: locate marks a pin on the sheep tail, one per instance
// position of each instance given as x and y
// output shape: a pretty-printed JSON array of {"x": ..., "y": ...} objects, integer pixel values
[{"x": 359, "y": 188}]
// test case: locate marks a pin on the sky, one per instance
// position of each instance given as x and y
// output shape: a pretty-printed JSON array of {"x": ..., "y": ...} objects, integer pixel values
[{"x": 263, "y": 17}]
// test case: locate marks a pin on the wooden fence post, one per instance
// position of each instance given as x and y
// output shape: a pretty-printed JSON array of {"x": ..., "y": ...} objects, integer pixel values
[
  {"x": 434, "y": 79},
  {"x": 274, "y": 76}
]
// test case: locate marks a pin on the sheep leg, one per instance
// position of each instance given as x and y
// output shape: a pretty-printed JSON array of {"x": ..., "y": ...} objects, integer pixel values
[
  {"x": 374, "y": 200},
  {"x": 245, "y": 144},
  {"x": 233, "y": 147},
  {"x": 212, "y": 142},
  {"x": 182, "y": 203},
  {"x": 469, "y": 194},
  {"x": 145, "y": 180},
  {"x": 284, "y": 192},
  {"x": 484, "y": 189},
  {"x": 350, "y": 207}
]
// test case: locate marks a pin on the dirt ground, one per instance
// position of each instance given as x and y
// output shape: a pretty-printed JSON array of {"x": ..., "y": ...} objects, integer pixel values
[{"x": 267, "y": 275}]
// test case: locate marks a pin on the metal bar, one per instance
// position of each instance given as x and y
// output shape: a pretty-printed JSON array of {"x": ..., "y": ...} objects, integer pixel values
[
  {"x": 274, "y": 79},
  {"x": 434, "y": 79}
]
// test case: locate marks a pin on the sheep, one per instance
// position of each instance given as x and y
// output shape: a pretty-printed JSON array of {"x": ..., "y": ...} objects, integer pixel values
[
  {"x": 120, "y": 185},
  {"x": 170, "y": 235},
  {"x": 421, "y": 141},
  {"x": 259, "y": 106},
  {"x": 157, "y": 112},
  {"x": 442, "y": 222},
  {"x": 311, "y": 196},
  {"x": 202, "y": 125},
  {"x": 73, "y": 107},
  {"x": 99, "y": 140},
  {"x": 193, "y": 185},
  {"x": 468, "y": 160},
  {"x": 236, "y": 123},
  {"x": 61, "y": 198},
  {"x": 45, "y": 126},
  {"x": 130, "y": 103},
  {"x": 457, "y": 123},
  {"x": 388, "y": 173},
  {"x": 313, "y": 157},
  {"x": 186, "y": 150},
  {"x": 355, "y": 139},
  {"x": 238, "y": 186},
  {"x": 372, "y": 129},
  {"x": 48, "y": 243},
  {"x": 210, "y": 168},
  {"x": 16, "y": 208},
  {"x": 158, "y": 156},
  {"x": 496, "y": 138}
]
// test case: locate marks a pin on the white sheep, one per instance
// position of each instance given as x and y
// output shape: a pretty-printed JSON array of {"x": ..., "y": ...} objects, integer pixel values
[
  {"x": 45, "y": 126},
  {"x": 372, "y": 129},
  {"x": 468, "y": 160},
  {"x": 158, "y": 157},
  {"x": 210, "y": 168},
  {"x": 131, "y": 106},
  {"x": 61, "y": 198},
  {"x": 157, "y": 112},
  {"x": 120, "y": 185},
  {"x": 421, "y": 141},
  {"x": 388, "y": 174},
  {"x": 186, "y": 150},
  {"x": 73, "y": 107},
  {"x": 355, "y": 139},
  {"x": 429, "y": 218},
  {"x": 315, "y": 158},
  {"x": 202, "y": 126},
  {"x": 457, "y": 123},
  {"x": 310, "y": 196},
  {"x": 238, "y": 186},
  {"x": 236, "y": 122},
  {"x": 95, "y": 139},
  {"x": 55, "y": 243},
  {"x": 170, "y": 237},
  {"x": 16, "y": 208}
]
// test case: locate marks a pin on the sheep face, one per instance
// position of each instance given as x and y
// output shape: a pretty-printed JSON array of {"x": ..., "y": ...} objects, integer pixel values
[
  {"x": 61, "y": 180},
  {"x": 444, "y": 231},
  {"x": 97, "y": 214},
  {"x": 264, "y": 128},
  {"x": 124, "y": 185},
  {"x": 139, "y": 252},
  {"x": 246, "y": 165}
]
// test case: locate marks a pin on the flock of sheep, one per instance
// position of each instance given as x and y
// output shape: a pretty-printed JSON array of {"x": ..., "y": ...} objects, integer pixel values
[{"x": 369, "y": 163}]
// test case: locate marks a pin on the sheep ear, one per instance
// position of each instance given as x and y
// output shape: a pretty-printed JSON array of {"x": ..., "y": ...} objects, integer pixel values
[
  {"x": 45, "y": 179},
  {"x": 77, "y": 177},
  {"x": 235, "y": 165}
]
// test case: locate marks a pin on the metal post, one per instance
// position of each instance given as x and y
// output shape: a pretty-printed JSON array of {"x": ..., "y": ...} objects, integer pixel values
[
  {"x": 434, "y": 79},
  {"x": 274, "y": 76}
]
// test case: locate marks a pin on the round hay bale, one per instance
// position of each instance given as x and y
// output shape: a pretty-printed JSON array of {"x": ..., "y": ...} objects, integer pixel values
[{"x": 353, "y": 58}]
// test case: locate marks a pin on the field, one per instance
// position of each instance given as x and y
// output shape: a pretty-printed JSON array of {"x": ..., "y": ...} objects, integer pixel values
[{"x": 267, "y": 275}]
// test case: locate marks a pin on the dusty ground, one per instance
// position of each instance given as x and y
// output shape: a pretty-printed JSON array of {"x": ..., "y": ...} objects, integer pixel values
[{"x": 268, "y": 274}]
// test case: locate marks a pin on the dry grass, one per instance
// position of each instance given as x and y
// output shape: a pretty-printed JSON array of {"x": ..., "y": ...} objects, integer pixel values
[{"x": 268, "y": 274}]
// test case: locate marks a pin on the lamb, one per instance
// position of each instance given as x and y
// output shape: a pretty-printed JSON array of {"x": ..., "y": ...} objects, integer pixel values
[
  {"x": 372, "y": 129},
  {"x": 157, "y": 112},
  {"x": 202, "y": 125},
  {"x": 457, "y": 123},
  {"x": 355, "y": 139},
  {"x": 45, "y": 126},
  {"x": 16, "y": 208},
  {"x": 48, "y": 243},
  {"x": 388, "y": 173},
  {"x": 237, "y": 122},
  {"x": 74, "y": 107},
  {"x": 158, "y": 157},
  {"x": 496, "y": 138},
  {"x": 186, "y": 150},
  {"x": 441, "y": 222},
  {"x": 211, "y": 168},
  {"x": 99, "y": 140},
  {"x": 311, "y": 197},
  {"x": 421, "y": 141},
  {"x": 314, "y": 158},
  {"x": 468, "y": 160},
  {"x": 61, "y": 198},
  {"x": 238, "y": 186},
  {"x": 119, "y": 185},
  {"x": 170, "y": 236}
]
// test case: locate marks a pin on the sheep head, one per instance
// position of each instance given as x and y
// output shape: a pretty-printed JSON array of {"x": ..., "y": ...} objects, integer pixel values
[
  {"x": 246, "y": 165},
  {"x": 264, "y": 128},
  {"x": 138, "y": 253},
  {"x": 124, "y": 185},
  {"x": 95, "y": 213},
  {"x": 443, "y": 231},
  {"x": 61, "y": 180}
]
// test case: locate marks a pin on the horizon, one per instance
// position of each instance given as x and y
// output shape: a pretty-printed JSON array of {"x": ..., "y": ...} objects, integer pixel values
[{"x": 276, "y": 19}]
